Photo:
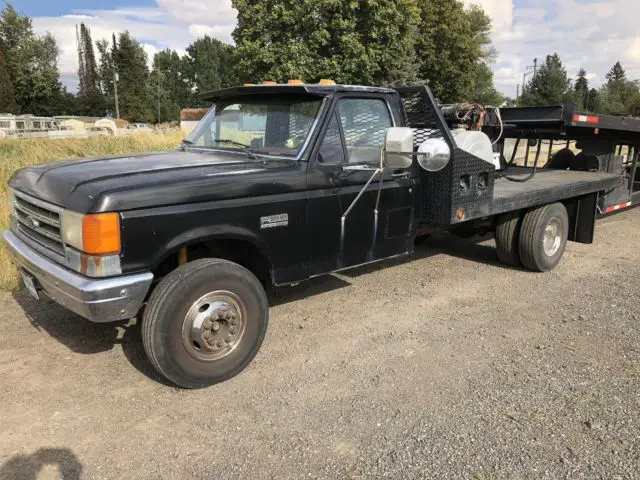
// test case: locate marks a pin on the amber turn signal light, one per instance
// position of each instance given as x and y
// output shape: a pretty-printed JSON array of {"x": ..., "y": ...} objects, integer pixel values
[{"x": 101, "y": 233}]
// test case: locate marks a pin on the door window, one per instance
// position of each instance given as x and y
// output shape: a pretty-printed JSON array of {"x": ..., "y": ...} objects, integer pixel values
[
  {"x": 331, "y": 150},
  {"x": 364, "y": 122}
]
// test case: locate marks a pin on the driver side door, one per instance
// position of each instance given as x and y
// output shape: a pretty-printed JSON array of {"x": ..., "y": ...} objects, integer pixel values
[{"x": 345, "y": 228}]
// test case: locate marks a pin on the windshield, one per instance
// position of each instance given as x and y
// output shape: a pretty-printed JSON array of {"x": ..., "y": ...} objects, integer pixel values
[{"x": 261, "y": 124}]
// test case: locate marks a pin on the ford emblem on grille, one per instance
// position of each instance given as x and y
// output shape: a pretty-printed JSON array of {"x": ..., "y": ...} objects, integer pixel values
[{"x": 34, "y": 222}]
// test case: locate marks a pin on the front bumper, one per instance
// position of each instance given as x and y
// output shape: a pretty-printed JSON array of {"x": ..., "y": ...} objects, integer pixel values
[{"x": 99, "y": 300}]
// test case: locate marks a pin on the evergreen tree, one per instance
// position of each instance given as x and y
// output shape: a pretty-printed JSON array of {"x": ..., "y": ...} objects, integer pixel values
[
  {"x": 105, "y": 73},
  {"x": 619, "y": 95},
  {"x": 130, "y": 61},
  {"x": 7, "y": 101},
  {"x": 90, "y": 98},
  {"x": 82, "y": 75},
  {"x": 592, "y": 103},
  {"x": 551, "y": 85},
  {"x": 91, "y": 80},
  {"x": 581, "y": 89},
  {"x": 616, "y": 75}
]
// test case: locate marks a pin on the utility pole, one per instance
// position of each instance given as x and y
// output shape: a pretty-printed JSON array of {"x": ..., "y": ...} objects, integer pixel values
[
  {"x": 158, "y": 94},
  {"x": 116, "y": 78},
  {"x": 527, "y": 71},
  {"x": 517, "y": 94}
]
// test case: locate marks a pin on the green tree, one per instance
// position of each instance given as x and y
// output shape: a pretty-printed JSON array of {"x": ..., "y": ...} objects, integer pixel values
[
  {"x": 451, "y": 44},
  {"x": 126, "y": 57},
  {"x": 581, "y": 89},
  {"x": 7, "y": 101},
  {"x": 130, "y": 61},
  {"x": 31, "y": 61},
  {"x": 550, "y": 86},
  {"x": 619, "y": 95},
  {"x": 616, "y": 75},
  {"x": 480, "y": 29},
  {"x": 482, "y": 90},
  {"x": 105, "y": 73},
  {"x": 171, "y": 84},
  {"x": 592, "y": 103},
  {"x": 366, "y": 41},
  {"x": 90, "y": 98},
  {"x": 209, "y": 65}
]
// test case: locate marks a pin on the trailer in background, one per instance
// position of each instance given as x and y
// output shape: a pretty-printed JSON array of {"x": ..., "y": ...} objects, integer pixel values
[{"x": 544, "y": 139}]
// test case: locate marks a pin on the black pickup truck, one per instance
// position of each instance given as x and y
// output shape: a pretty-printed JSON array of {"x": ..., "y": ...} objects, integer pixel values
[{"x": 277, "y": 184}]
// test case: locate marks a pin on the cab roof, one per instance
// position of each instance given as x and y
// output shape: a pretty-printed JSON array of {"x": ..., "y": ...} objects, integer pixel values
[{"x": 309, "y": 88}]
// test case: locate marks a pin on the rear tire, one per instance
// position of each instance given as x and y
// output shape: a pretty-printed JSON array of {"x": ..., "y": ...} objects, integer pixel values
[
  {"x": 205, "y": 322},
  {"x": 543, "y": 237},
  {"x": 508, "y": 238}
]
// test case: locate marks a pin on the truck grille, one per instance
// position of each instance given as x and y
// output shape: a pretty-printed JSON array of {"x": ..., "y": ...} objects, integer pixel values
[{"x": 39, "y": 222}]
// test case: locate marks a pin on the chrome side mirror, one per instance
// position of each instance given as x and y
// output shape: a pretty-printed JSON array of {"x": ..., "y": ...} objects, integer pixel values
[
  {"x": 398, "y": 148},
  {"x": 434, "y": 154}
]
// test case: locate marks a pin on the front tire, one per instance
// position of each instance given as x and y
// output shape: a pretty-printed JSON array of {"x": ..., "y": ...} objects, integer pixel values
[
  {"x": 205, "y": 322},
  {"x": 543, "y": 237}
]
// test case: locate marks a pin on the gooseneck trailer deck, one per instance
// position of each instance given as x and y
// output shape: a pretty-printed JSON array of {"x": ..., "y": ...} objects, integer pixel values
[{"x": 587, "y": 142}]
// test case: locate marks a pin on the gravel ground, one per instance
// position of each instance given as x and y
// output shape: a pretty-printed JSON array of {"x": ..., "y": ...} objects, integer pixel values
[{"x": 443, "y": 366}]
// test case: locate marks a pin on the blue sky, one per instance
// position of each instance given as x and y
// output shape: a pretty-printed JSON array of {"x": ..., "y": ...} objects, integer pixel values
[
  {"x": 590, "y": 34},
  {"x": 47, "y": 8}
]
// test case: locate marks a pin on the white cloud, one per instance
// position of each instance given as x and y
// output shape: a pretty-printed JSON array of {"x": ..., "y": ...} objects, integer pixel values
[
  {"x": 590, "y": 35},
  {"x": 165, "y": 26}
]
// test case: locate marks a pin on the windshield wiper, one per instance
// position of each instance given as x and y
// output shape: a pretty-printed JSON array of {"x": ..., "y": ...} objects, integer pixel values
[
  {"x": 185, "y": 143},
  {"x": 245, "y": 148}
]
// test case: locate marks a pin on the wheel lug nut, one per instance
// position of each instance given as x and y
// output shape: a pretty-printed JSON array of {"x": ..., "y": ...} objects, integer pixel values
[
  {"x": 219, "y": 344},
  {"x": 232, "y": 331}
]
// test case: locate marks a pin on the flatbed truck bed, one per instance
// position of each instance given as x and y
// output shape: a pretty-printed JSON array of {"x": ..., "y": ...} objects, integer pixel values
[{"x": 546, "y": 186}]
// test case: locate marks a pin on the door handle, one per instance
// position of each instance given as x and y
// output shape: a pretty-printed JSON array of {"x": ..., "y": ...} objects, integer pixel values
[{"x": 400, "y": 174}]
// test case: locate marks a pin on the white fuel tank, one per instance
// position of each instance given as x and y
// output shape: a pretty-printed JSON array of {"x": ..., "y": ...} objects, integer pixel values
[{"x": 476, "y": 143}]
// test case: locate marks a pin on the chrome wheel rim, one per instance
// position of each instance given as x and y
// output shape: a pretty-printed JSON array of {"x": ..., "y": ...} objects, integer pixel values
[
  {"x": 552, "y": 237},
  {"x": 214, "y": 326}
]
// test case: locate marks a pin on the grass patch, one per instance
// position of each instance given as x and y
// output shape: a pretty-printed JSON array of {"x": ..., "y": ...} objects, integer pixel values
[{"x": 19, "y": 153}]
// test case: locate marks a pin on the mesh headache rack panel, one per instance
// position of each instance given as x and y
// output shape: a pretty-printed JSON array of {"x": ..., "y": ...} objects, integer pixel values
[{"x": 465, "y": 184}]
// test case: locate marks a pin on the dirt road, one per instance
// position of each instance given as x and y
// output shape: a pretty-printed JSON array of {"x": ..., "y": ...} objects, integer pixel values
[{"x": 444, "y": 366}]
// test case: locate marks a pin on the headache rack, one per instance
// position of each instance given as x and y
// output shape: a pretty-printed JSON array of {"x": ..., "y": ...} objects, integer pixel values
[{"x": 464, "y": 188}]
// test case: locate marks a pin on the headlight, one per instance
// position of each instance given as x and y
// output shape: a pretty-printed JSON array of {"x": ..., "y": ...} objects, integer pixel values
[
  {"x": 95, "y": 234},
  {"x": 11, "y": 200}
]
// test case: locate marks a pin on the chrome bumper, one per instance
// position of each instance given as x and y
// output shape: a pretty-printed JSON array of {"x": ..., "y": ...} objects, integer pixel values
[{"x": 99, "y": 300}]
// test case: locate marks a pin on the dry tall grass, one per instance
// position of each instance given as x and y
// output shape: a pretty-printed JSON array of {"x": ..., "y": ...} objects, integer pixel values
[{"x": 19, "y": 153}]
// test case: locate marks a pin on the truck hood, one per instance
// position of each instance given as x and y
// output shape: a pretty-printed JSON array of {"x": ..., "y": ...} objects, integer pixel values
[{"x": 159, "y": 179}]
